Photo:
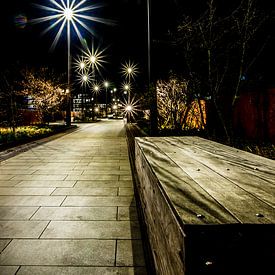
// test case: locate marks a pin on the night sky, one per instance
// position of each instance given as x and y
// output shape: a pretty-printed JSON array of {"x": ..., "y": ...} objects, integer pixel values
[{"x": 125, "y": 39}]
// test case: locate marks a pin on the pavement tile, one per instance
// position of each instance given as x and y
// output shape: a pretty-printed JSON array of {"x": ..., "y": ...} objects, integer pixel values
[
  {"x": 103, "y": 183},
  {"x": 106, "y": 164},
  {"x": 126, "y": 191},
  {"x": 98, "y": 201},
  {"x": 51, "y": 270},
  {"x": 58, "y": 172},
  {"x": 92, "y": 229},
  {"x": 3, "y": 244},
  {"x": 16, "y": 171},
  {"x": 92, "y": 177},
  {"x": 9, "y": 183},
  {"x": 39, "y": 177},
  {"x": 16, "y": 213},
  {"x": 76, "y": 213},
  {"x": 99, "y": 168},
  {"x": 6, "y": 177},
  {"x": 17, "y": 191},
  {"x": 125, "y": 167},
  {"x": 59, "y": 252},
  {"x": 86, "y": 191},
  {"x": 125, "y": 177},
  {"x": 129, "y": 253},
  {"x": 107, "y": 172},
  {"x": 21, "y": 229},
  {"x": 8, "y": 270},
  {"x": 31, "y": 200},
  {"x": 44, "y": 183},
  {"x": 127, "y": 213}
]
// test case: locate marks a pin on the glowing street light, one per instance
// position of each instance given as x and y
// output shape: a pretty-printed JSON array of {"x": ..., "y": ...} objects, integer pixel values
[
  {"x": 95, "y": 59},
  {"x": 106, "y": 85},
  {"x": 66, "y": 14},
  {"x": 130, "y": 108},
  {"x": 129, "y": 70}
]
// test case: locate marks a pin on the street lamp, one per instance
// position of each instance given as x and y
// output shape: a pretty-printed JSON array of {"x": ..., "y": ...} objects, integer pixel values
[
  {"x": 67, "y": 14},
  {"x": 106, "y": 85},
  {"x": 95, "y": 58},
  {"x": 129, "y": 70},
  {"x": 126, "y": 87}
]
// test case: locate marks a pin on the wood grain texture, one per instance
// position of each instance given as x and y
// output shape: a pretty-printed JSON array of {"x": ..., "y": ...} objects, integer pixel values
[{"x": 205, "y": 203}]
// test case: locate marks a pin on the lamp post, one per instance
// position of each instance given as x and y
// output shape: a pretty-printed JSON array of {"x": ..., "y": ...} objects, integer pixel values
[
  {"x": 68, "y": 14},
  {"x": 106, "y": 85},
  {"x": 128, "y": 110},
  {"x": 85, "y": 80},
  {"x": 126, "y": 90}
]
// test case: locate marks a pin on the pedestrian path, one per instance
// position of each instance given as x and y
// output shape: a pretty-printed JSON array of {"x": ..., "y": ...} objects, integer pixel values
[{"x": 68, "y": 207}]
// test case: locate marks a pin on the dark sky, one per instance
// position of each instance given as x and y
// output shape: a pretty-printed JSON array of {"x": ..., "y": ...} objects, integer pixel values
[{"x": 125, "y": 40}]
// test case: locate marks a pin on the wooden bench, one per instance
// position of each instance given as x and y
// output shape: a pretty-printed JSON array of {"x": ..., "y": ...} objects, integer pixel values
[{"x": 208, "y": 208}]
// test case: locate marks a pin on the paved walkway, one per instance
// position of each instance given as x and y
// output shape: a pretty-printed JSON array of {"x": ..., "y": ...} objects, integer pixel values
[{"x": 67, "y": 206}]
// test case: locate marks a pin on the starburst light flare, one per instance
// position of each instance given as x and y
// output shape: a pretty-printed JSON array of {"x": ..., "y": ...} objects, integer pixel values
[
  {"x": 85, "y": 79},
  {"x": 130, "y": 107},
  {"x": 80, "y": 64},
  {"x": 95, "y": 58},
  {"x": 68, "y": 13},
  {"x": 129, "y": 70}
]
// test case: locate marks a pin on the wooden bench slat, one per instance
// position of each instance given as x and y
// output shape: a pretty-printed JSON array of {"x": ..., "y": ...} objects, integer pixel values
[
  {"x": 188, "y": 198},
  {"x": 258, "y": 187},
  {"x": 235, "y": 199}
]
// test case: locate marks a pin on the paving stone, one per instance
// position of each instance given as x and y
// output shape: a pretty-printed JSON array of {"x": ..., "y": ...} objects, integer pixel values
[
  {"x": 51, "y": 270},
  {"x": 126, "y": 191},
  {"x": 58, "y": 172},
  {"x": 31, "y": 200},
  {"x": 43, "y": 183},
  {"x": 125, "y": 167},
  {"x": 17, "y": 191},
  {"x": 103, "y": 183},
  {"x": 6, "y": 177},
  {"x": 129, "y": 253},
  {"x": 106, "y": 164},
  {"x": 8, "y": 183},
  {"x": 16, "y": 171},
  {"x": 39, "y": 177},
  {"x": 92, "y": 177},
  {"x": 127, "y": 213},
  {"x": 107, "y": 172},
  {"x": 101, "y": 168},
  {"x": 76, "y": 213},
  {"x": 3, "y": 244},
  {"x": 8, "y": 270},
  {"x": 59, "y": 252},
  {"x": 111, "y": 191},
  {"x": 98, "y": 201},
  {"x": 16, "y": 213},
  {"x": 92, "y": 229},
  {"x": 125, "y": 177},
  {"x": 21, "y": 229}
]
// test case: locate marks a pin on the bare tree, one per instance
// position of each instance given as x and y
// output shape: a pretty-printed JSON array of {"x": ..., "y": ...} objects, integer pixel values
[
  {"x": 47, "y": 96},
  {"x": 216, "y": 53},
  {"x": 177, "y": 108}
]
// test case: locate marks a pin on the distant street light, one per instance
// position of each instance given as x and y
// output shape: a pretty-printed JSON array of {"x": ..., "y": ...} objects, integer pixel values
[
  {"x": 129, "y": 70},
  {"x": 106, "y": 85}
]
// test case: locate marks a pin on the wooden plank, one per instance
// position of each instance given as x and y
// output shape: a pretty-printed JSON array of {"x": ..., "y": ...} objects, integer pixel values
[
  {"x": 190, "y": 200},
  {"x": 165, "y": 234},
  {"x": 239, "y": 157},
  {"x": 180, "y": 178},
  {"x": 236, "y": 200},
  {"x": 226, "y": 186}
]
